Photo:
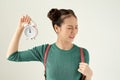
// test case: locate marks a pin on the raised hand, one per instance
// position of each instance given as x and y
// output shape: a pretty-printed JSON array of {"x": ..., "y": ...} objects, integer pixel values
[{"x": 24, "y": 20}]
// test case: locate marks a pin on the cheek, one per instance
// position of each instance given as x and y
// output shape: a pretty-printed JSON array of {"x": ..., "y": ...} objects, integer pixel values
[
  {"x": 64, "y": 32},
  {"x": 76, "y": 31}
]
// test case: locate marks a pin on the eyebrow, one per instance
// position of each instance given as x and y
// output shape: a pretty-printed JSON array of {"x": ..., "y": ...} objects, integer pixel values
[{"x": 72, "y": 26}]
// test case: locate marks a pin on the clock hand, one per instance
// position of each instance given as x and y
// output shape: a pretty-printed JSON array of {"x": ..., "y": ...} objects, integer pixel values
[{"x": 29, "y": 30}]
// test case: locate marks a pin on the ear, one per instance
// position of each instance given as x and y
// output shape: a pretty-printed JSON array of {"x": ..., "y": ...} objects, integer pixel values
[{"x": 57, "y": 28}]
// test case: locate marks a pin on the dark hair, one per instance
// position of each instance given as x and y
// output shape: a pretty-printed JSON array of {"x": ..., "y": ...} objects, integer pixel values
[{"x": 57, "y": 16}]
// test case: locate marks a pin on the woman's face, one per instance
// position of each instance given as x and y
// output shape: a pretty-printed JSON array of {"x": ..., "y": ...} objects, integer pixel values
[{"x": 68, "y": 29}]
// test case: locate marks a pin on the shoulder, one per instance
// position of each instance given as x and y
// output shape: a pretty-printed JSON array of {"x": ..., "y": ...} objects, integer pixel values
[
  {"x": 86, "y": 53},
  {"x": 84, "y": 49},
  {"x": 40, "y": 48}
]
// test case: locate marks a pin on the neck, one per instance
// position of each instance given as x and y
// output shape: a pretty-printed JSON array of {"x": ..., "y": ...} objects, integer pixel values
[{"x": 64, "y": 44}]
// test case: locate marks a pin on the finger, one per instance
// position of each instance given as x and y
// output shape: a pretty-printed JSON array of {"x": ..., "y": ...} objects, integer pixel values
[
  {"x": 82, "y": 67},
  {"x": 27, "y": 19},
  {"x": 83, "y": 63},
  {"x": 24, "y": 18},
  {"x": 21, "y": 19},
  {"x": 81, "y": 71}
]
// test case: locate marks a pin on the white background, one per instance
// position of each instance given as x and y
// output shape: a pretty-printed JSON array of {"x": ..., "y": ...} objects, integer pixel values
[{"x": 99, "y": 32}]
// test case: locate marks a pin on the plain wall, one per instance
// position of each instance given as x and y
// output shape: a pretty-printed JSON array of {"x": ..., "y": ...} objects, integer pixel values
[{"x": 99, "y": 32}]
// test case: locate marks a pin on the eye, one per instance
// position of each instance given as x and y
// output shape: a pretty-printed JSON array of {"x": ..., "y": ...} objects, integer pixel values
[
  {"x": 76, "y": 27},
  {"x": 69, "y": 28}
]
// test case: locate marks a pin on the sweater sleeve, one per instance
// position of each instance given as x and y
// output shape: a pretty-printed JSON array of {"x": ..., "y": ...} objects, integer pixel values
[
  {"x": 33, "y": 54},
  {"x": 86, "y": 55}
]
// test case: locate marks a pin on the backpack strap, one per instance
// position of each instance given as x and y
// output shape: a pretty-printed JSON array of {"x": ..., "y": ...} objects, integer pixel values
[
  {"x": 82, "y": 60},
  {"x": 46, "y": 54},
  {"x": 82, "y": 55},
  {"x": 45, "y": 57}
]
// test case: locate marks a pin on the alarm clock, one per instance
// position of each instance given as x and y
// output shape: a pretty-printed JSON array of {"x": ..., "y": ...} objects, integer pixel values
[{"x": 30, "y": 30}]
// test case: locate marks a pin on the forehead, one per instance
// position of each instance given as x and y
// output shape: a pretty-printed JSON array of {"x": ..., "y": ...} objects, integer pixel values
[{"x": 70, "y": 20}]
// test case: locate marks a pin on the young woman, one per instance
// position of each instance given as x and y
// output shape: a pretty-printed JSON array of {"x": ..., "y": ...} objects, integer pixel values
[{"x": 63, "y": 60}]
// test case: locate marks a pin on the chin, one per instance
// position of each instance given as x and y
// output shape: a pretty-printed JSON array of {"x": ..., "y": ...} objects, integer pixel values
[{"x": 70, "y": 40}]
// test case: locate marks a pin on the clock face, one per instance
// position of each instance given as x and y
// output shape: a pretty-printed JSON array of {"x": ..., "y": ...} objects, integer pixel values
[{"x": 30, "y": 31}]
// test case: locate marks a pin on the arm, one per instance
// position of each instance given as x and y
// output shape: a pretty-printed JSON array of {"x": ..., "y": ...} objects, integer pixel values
[{"x": 14, "y": 44}]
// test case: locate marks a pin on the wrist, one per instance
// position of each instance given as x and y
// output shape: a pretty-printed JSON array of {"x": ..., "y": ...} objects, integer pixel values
[
  {"x": 88, "y": 78},
  {"x": 20, "y": 29}
]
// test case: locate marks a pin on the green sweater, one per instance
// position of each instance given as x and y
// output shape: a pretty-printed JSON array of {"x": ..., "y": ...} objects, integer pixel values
[{"x": 60, "y": 65}]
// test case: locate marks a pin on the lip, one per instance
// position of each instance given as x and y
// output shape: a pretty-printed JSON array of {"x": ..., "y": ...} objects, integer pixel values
[{"x": 71, "y": 37}]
